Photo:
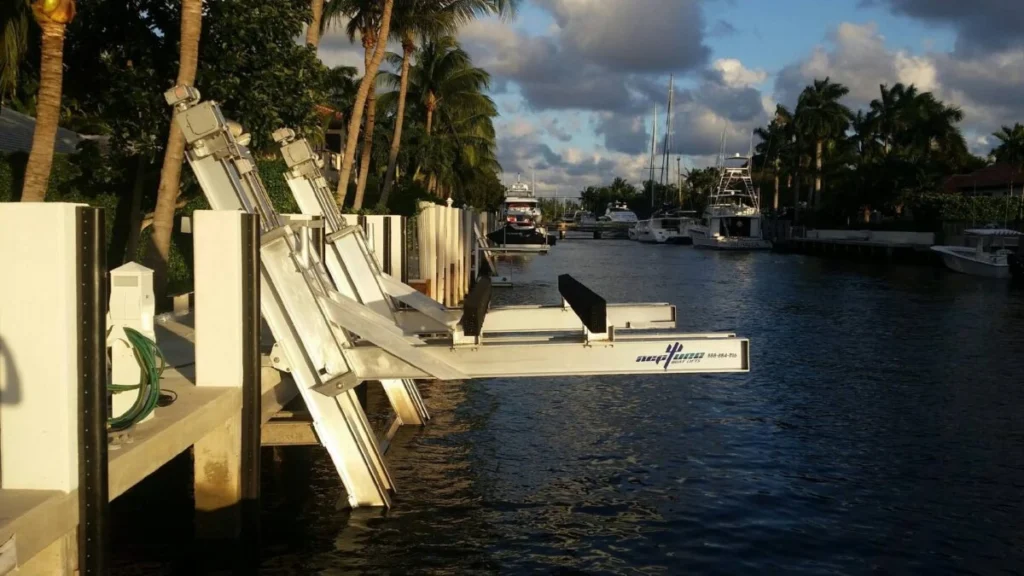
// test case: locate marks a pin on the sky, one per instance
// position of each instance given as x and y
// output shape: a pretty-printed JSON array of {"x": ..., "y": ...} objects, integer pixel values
[{"x": 576, "y": 81}]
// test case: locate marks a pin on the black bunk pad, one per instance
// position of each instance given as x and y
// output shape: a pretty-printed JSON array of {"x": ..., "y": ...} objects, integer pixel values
[
  {"x": 591, "y": 308},
  {"x": 474, "y": 307}
]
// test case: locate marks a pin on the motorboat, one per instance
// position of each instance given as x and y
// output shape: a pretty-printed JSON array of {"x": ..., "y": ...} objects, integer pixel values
[
  {"x": 618, "y": 212},
  {"x": 520, "y": 218},
  {"x": 732, "y": 218},
  {"x": 985, "y": 253},
  {"x": 667, "y": 226}
]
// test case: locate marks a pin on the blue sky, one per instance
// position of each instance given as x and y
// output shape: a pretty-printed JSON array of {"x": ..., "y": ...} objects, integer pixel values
[{"x": 576, "y": 79}]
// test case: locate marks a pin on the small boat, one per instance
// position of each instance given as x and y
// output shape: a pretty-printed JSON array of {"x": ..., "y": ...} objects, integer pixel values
[
  {"x": 732, "y": 218},
  {"x": 986, "y": 253}
]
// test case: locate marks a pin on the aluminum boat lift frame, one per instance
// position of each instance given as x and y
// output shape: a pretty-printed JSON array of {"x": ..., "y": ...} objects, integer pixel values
[
  {"x": 335, "y": 335},
  {"x": 425, "y": 315}
]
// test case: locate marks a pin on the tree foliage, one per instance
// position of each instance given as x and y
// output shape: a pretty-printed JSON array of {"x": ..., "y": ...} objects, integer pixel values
[{"x": 904, "y": 145}]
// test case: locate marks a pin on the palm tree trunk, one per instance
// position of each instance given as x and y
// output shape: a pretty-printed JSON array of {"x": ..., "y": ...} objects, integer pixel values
[
  {"x": 431, "y": 103},
  {"x": 775, "y": 197},
  {"x": 357, "y": 108},
  {"x": 796, "y": 189},
  {"x": 817, "y": 173},
  {"x": 170, "y": 174},
  {"x": 51, "y": 78},
  {"x": 313, "y": 32},
  {"x": 396, "y": 138},
  {"x": 371, "y": 116},
  {"x": 135, "y": 217}
]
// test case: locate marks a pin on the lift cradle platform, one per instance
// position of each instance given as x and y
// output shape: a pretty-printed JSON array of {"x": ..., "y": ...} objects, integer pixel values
[{"x": 339, "y": 321}]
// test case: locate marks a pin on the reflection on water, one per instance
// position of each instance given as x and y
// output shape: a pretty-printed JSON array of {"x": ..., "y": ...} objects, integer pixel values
[{"x": 880, "y": 429}]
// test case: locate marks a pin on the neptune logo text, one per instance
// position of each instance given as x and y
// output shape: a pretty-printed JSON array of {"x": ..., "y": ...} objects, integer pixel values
[{"x": 673, "y": 355}]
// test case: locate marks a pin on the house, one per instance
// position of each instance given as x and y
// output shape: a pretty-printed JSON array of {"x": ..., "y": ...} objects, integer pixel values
[
  {"x": 16, "y": 131},
  {"x": 997, "y": 180}
]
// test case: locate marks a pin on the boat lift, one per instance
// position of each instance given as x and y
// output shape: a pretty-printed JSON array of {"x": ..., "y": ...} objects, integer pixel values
[
  {"x": 425, "y": 315},
  {"x": 338, "y": 320}
]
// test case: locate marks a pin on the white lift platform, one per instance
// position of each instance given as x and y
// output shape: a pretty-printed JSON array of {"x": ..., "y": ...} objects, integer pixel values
[{"x": 338, "y": 323}]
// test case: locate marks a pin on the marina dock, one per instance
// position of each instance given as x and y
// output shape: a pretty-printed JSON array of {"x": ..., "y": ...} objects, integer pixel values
[{"x": 907, "y": 247}]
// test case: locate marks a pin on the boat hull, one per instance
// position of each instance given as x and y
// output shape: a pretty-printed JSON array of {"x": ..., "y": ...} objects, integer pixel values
[
  {"x": 1016, "y": 262},
  {"x": 509, "y": 236},
  {"x": 655, "y": 236},
  {"x": 966, "y": 264},
  {"x": 700, "y": 239}
]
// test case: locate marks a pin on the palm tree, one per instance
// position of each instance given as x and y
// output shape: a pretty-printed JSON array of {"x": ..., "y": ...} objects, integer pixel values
[
  {"x": 446, "y": 87},
  {"x": 428, "y": 18},
  {"x": 53, "y": 17},
  {"x": 774, "y": 139},
  {"x": 364, "y": 15},
  {"x": 14, "y": 22},
  {"x": 313, "y": 31},
  {"x": 444, "y": 76},
  {"x": 1011, "y": 145},
  {"x": 820, "y": 116},
  {"x": 170, "y": 174}
]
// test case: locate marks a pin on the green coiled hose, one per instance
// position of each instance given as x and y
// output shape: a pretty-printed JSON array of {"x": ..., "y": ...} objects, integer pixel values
[{"x": 147, "y": 355}]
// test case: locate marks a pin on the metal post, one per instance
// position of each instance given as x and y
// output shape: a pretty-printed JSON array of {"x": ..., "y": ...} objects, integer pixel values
[
  {"x": 252, "y": 406},
  {"x": 93, "y": 501}
]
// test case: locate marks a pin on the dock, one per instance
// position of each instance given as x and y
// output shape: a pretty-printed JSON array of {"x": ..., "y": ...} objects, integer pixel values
[
  {"x": 889, "y": 246},
  {"x": 597, "y": 230},
  {"x": 42, "y": 522}
]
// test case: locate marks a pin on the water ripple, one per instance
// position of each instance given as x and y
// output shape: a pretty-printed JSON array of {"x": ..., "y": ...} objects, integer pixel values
[{"x": 880, "y": 430}]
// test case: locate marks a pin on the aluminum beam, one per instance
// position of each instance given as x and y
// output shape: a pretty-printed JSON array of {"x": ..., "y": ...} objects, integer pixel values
[
  {"x": 668, "y": 354},
  {"x": 360, "y": 279},
  {"x": 289, "y": 277}
]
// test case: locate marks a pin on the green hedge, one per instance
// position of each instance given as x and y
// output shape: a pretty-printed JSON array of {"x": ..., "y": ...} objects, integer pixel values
[{"x": 937, "y": 208}]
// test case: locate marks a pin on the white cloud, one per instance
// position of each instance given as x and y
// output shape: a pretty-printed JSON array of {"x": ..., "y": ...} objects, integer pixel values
[
  {"x": 986, "y": 86},
  {"x": 735, "y": 75}
]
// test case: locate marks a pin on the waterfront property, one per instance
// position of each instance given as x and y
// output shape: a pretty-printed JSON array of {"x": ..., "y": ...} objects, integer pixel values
[{"x": 336, "y": 319}]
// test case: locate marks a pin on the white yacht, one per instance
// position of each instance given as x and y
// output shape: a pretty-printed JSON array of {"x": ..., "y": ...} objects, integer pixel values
[
  {"x": 988, "y": 257},
  {"x": 618, "y": 212},
  {"x": 732, "y": 218},
  {"x": 521, "y": 218}
]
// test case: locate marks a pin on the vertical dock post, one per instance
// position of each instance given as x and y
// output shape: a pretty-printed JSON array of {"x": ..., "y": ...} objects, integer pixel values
[
  {"x": 227, "y": 325},
  {"x": 53, "y": 372},
  {"x": 93, "y": 500}
]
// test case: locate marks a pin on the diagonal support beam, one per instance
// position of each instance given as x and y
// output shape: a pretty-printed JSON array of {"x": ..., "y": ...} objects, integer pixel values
[{"x": 370, "y": 326}]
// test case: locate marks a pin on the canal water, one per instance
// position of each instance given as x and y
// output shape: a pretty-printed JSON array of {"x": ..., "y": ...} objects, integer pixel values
[{"x": 880, "y": 429}]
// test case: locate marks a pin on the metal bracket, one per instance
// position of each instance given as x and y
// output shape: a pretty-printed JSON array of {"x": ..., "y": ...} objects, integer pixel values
[
  {"x": 338, "y": 385},
  {"x": 279, "y": 360}
]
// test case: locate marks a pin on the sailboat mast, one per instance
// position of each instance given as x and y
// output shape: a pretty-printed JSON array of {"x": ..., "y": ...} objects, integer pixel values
[
  {"x": 665, "y": 179},
  {"x": 654, "y": 145}
]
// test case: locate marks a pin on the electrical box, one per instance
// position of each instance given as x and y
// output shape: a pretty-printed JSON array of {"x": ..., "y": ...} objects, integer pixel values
[{"x": 132, "y": 305}]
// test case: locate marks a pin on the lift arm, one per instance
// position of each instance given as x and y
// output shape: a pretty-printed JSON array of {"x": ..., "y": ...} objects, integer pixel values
[{"x": 668, "y": 354}]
